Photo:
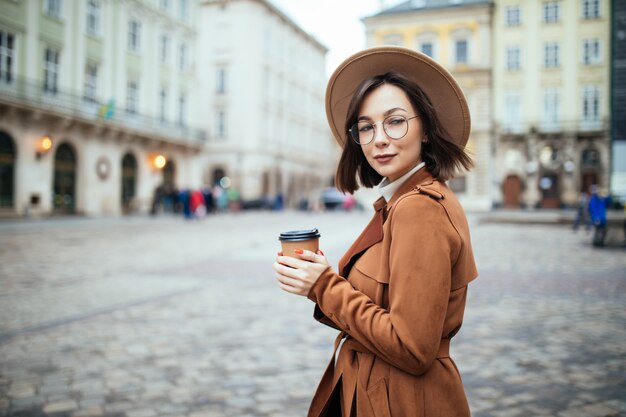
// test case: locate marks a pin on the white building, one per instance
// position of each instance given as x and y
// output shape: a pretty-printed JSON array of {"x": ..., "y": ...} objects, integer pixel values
[
  {"x": 263, "y": 81},
  {"x": 91, "y": 92}
]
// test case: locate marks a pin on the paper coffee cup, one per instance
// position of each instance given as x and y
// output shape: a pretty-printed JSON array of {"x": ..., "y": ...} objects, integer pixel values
[{"x": 299, "y": 239}]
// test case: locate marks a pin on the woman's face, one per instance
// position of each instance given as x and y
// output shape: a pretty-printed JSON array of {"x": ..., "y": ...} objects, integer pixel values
[{"x": 391, "y": 158}]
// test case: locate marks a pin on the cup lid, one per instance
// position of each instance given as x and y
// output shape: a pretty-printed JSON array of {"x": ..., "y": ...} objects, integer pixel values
[{"x": 296, "y": 235}]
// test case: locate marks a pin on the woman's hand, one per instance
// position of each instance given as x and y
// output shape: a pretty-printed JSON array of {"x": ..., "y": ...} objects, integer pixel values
[{"x": 298, "y": 275}]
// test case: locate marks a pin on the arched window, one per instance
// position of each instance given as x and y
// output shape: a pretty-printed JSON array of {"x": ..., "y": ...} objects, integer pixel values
[{"x": 7, "y": 170}]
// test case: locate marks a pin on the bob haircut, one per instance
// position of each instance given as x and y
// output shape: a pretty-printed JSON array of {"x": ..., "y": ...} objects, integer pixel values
[{"x": 443, "y": 157}]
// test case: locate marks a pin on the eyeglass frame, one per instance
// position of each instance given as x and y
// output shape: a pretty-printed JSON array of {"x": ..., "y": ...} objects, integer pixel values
[{"x": 406, "y": 119}]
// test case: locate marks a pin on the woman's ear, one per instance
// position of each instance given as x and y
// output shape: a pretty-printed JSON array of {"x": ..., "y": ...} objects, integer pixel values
[{"x": 425, "y": 138}]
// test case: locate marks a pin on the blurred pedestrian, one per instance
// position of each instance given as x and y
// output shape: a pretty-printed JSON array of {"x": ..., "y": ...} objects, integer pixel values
[
  {"x": 220, "y": 198},
  {"x": 279, "y": 203},
  {"x": 399, "y": 294},
  {"x": 209, "y": 203},
  {"x": 597, "y": 211},
  {"x": 184, "y": 201},
  {"x": 234, "y": 200},
  {"x": 582, "y": 212},
  {"x": 196, "y": 203}
]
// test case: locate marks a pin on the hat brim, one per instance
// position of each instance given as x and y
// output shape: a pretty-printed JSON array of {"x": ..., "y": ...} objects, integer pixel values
[{"x": 437, "y": 83}]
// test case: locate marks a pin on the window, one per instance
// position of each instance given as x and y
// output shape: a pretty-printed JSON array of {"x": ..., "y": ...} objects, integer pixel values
[
  {"x": 162, "y": 104},
  {"x": 460, "y": 51},
  {"x": 513, "y": 15},
  {"x": 182, "y": 104},
  {"x": 591, "y": 9},
  {"x": 591, "y": 104},
  {"x": 7, "y": 56},
  {"x": 183, "y": 57},
  {"x": 551, "y": 55},
  {"x": 427, "y": 48},
  {"x": 551, "y": 108},
  {"x": 513, "y": 58},
  {"x": 220, "y": 85},
  {"x": 220, "y": 124},
  {"x": 513, "y": 111},
  {"x": 551, "y": 12},
  {"x": 184, "y": 9},
  {"x": 51, "y": 71},
  {"x": 165, "y": 41},
  {"x": 52, "y": 8},
  {"x": 134, "y": 35},
  {"x": 93, "y": 17},
  {"x": 132, "y": 97},
  {"x": 591, "y": 51},
  {"x": 91, "y": 81}
]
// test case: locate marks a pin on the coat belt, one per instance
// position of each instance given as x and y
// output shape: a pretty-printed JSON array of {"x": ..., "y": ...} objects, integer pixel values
[
  {"x": 352, "y": 344},
  {"x": 330, "y": 379}
]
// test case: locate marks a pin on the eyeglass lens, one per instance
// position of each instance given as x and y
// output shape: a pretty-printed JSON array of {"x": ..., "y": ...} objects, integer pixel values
[{"x": 394, "y": 126}]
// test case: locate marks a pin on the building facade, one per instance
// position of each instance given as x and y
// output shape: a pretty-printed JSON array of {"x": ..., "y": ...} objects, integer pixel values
[
  {"x": 457, "y": 34},
  {"x": 106, "y": 104},
  {"x": 551, "y": 100},
  {"x": 97, "y": 104},
  {"x": 264, "y": 79}
]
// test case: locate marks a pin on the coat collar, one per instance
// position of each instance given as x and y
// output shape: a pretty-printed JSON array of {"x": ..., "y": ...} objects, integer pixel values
[{"x": 373, "y": 232}]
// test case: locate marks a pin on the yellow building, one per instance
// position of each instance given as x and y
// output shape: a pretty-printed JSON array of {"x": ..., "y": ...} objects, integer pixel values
[
  {"x": 458, "y": 35},
  {"x": 551, "y": 100}
]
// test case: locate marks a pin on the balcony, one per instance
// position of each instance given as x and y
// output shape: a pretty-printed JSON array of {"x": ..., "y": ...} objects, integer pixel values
[
  {"x": 561, "y": 127},
  {"x": 31, "y": 95}
]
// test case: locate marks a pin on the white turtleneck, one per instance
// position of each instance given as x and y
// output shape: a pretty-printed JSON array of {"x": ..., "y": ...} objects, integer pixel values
[{"x": 387, "y": 189}]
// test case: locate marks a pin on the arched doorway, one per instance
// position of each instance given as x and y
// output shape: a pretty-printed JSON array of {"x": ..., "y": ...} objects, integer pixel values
[
  {"x": 64, "y": 186},
  {"x": 590, "y": 166},
  {"x": 169, "y": 173},
  {"x": 549, "y": 187},
  {"x": 512, "y": 191},
  {"x": 218, "y": 174},
  {"x": 7, "y": 170},
  {"x": 129, "y": 182}
]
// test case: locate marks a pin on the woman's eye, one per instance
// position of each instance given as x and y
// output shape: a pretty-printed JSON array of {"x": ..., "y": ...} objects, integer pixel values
[
  {"x": 365, "y": 128},
  {"x": 395, "y": 121}
]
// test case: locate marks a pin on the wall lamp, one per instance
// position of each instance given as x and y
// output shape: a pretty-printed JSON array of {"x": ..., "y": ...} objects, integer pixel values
[
  {"x": 44, "y": 144},
  {"x": 159, "y": 161}
]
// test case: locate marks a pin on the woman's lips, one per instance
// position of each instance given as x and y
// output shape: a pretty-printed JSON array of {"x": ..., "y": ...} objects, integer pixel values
[{"x": 384, "y": 158}]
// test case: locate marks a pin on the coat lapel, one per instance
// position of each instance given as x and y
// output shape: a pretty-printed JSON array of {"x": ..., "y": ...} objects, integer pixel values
[{"x": 373, "y": 232}]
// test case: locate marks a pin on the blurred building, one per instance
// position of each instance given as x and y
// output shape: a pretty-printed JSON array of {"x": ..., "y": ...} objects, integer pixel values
[
  {"x": 551, "y": 100},
  {"x": 105, "y": 105},
  {"x": 457, "y": 34},
  {"x": 263, "y": 81},
  {"x": 91, "y": 93}
]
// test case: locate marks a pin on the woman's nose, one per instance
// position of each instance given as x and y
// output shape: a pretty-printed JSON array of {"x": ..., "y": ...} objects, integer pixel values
[{"x": 380, "y": 136}]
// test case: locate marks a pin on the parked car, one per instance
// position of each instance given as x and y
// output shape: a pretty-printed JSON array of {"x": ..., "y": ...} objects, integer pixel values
[{"x": 332, "y": 199}]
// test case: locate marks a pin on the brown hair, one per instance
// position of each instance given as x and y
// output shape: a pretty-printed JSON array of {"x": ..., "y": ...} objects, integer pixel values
[{"x": 442, "y": 156}]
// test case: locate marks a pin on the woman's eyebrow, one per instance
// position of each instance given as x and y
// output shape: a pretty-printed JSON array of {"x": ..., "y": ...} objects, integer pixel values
[{"x": 387, "y": 113}]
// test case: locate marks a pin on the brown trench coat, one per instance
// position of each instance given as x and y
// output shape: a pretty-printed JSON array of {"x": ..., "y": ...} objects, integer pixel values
[{"x": 402, "y": 301}]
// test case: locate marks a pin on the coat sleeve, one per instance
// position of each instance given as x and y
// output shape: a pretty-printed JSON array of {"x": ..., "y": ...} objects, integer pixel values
[{"x": 424, "y": 245}]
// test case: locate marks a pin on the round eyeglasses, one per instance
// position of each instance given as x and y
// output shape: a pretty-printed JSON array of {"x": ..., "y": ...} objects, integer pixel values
[{"x": 395, "y": 126}]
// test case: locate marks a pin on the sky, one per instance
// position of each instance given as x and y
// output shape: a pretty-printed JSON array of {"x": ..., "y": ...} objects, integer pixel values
[{"x": 335, "y": 23}]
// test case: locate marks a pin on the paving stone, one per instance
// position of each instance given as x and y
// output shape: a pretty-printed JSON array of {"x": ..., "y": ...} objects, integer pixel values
[
  {"x": 60, "y": 406},
  {"x": 181, "y": 326}
]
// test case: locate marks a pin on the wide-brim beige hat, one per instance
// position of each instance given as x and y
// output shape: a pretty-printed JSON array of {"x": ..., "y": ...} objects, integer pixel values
[{"x": 441, "y": 88}]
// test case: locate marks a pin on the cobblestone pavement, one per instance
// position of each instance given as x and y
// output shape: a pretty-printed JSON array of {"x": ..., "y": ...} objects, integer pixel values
[{"x": 142, "y": 317}]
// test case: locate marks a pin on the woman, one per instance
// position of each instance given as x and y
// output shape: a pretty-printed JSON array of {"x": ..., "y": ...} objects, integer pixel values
[{"x": 399, "y": 294}]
